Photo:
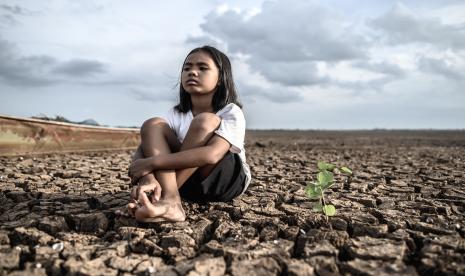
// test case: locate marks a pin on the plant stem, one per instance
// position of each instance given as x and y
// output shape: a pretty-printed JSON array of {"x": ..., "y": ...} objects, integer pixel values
[{"x": 324, "y": 204}]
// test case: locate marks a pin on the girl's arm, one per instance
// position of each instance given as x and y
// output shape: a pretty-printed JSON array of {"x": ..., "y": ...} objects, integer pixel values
[{"x": 212, "y": 153}]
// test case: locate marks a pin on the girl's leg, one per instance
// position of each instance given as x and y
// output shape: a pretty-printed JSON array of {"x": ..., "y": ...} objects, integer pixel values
[
  {"x": 156, "y": 137},
  {"x": 200, "y": 132}
]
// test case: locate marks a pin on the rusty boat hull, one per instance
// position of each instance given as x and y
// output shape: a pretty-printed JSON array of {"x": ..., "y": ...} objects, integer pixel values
[{"x": 20, "y": 136}]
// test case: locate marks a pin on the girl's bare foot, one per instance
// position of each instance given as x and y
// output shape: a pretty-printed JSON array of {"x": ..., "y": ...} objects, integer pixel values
[
  {"x": 129, "y": 211},
  {"x": 169, "y": 210}
]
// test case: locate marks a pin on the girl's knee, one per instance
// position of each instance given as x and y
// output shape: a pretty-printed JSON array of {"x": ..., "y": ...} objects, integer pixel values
[
  {"x": 152, "y": 122},
  {"x": 206, "y": 121}
]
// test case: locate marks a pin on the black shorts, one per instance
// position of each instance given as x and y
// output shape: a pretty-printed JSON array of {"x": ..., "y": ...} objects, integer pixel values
[{"x": 225, "y": 182}]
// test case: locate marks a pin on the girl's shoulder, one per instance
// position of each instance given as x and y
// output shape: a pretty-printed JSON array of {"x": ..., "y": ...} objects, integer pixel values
[
  {"x": 230, "y": 108},
  {"x": 232, "y": 112}
]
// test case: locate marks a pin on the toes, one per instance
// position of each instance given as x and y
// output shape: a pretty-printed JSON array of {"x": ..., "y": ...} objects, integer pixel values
[
  {"x": 142, "y": 213},
  {"x": 132, "y": 207}
]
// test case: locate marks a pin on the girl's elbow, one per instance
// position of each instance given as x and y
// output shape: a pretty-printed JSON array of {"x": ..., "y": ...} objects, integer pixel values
[{"x": 214, "y": 157}]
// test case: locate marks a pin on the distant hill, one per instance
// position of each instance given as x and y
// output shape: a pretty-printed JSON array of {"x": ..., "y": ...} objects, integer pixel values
[{"x": 88, "y": 122}]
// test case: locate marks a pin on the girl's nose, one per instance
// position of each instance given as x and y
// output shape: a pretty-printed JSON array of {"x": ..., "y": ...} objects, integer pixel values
[{"x": 193, "y": 73}]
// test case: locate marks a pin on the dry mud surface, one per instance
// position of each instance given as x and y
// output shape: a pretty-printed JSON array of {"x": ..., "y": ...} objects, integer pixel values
[{"x": 402, "y": 212}]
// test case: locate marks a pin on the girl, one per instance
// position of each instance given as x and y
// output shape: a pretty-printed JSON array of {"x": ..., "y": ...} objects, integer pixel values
[{"x": 196, "y": 151}]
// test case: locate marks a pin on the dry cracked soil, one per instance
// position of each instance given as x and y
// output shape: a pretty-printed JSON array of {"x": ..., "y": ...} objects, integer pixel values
[{"x": 402, "y": 212}]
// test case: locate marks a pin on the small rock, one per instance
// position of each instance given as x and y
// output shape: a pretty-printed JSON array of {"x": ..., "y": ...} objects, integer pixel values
[
  {"x": 126, "y": 264},
  {"x": 31, "y": 236},
  {"x": 179, "y": 240},
  {"x": 53, "y": 224},
  {"x": 58, "y": 246},
  {"x": 338, "y": 224},
  {"x": 260, "y": 266},
  {"x": 201, "y": 230},
  {"x": 210, "y": 266},
  {"x": 4, "y": 237},
  {"x": 95, "y": 222},
  {"x": 269, "y": 232},
  {"x": 150, "y": 266},
  {"x": 92, "y": 267},
  {"x": 45, "y": 255},
  {"x": 377, "y": 249},
  {"x": 375, "y": 268},
  {"x": 321, "y": 248},
  {"x": 9, "y": 259},
  {"x": 365, "y": 229},
  {"x": 297, "y": 267}
]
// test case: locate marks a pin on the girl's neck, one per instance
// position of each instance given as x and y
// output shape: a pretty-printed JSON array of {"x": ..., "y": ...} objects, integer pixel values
[{"x": 201, "y": 103}]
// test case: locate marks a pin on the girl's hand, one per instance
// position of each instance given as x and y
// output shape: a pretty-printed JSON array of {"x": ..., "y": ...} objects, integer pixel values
[
  {"x": 140, "y": 168},
  {"x": 148, "y": 181}
]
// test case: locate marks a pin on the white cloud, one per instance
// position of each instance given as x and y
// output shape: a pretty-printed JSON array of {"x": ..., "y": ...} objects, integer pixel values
[
  {"x": 401, "y": 26},
  {"x": 298, "y": 63}
]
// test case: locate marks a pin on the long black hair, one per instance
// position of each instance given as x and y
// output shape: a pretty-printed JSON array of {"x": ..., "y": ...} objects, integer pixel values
[{"x": 226, "y": 91}]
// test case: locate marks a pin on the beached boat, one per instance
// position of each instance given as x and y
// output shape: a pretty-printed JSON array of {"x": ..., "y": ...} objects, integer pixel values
[{"x": 28, "y": 136}]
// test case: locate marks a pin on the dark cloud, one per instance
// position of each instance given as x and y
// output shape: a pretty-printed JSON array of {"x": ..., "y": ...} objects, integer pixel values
[
  {"x": 441, "y": 68},
  {"x": 31, "y": 71},
  {"x": 388, "y": 69},
  {"x": 254, "y": 93},
  {"x": 389, "y": 72},
  {"x": 14, "y": 9},
  {"x": 8, "y": 19},
  {"x": 401, "y": 26},
  {"x": 23, "y": 71},
  {"x": 290, "y": 73},
  {"x": 286, "y": 39},
  {"x": 80, "y": 68},
  {"x": 153, "y": 95}
]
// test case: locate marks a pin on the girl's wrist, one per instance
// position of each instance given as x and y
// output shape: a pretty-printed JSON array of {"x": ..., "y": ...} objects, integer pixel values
[{"x": 153, "y": 163}]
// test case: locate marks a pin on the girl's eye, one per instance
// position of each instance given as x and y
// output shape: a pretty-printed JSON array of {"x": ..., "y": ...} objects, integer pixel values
[
  {"x": 203, "y": 68},
  {"x": 185, "y": 69}
]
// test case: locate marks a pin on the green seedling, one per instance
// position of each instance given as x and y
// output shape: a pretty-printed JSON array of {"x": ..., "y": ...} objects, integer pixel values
[{"x": 325, "y": 179}]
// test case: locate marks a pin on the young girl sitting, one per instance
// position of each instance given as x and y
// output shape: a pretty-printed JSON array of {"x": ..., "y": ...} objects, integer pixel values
[{"x": 196, "y": 151}]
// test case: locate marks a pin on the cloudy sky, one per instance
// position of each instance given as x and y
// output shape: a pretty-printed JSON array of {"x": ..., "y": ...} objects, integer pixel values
[{"x": 334, "y": 64}]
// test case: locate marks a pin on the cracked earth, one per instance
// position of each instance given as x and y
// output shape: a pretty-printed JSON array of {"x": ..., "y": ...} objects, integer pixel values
[{"x": 401, "y": 213}]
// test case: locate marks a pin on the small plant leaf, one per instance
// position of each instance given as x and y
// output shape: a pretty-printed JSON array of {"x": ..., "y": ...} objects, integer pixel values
[
  {"x": 325, "y": 178},
  {"x": 313, "y": 191},
  {"x": 323, "y": 166},
  {"x": 346, "y": 170},
  {"x": 329, "y": 210},
  {"x": 317, "y": 207}
]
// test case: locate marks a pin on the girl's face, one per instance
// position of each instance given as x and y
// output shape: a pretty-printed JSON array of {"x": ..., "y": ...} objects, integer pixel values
[{"x": 199, "y": 74}]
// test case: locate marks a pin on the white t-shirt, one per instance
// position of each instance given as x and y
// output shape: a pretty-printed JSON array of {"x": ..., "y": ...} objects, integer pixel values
[{"x": 232, "y": 129}]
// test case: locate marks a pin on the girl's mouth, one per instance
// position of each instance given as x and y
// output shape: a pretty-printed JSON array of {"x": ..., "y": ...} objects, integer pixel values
[{"x": 192, "y": 82}]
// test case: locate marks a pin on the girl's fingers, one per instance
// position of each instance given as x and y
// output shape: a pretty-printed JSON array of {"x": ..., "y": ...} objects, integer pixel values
[
  {"x": 133, "y": 193},
  {"x": 144, "y": 200},
  {"x": 132, "y": 207},
  {"x": 142, "y": 188},
  {"x": 147, "y": 187},
  {"x": 157, "y": 193}
]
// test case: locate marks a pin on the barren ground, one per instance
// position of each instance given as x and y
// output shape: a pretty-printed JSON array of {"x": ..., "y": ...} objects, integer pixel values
[{"x": 402, "y": 213}]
